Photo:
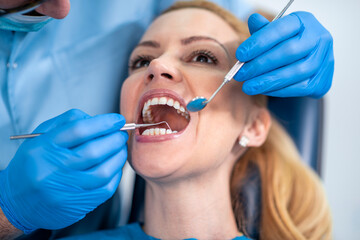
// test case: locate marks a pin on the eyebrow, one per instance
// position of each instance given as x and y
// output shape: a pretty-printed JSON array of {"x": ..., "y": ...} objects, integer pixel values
[
  {"x": 152, "y": 44},
  {"x": 185, "y": 41},
  {"x": 192, "y": 39}
]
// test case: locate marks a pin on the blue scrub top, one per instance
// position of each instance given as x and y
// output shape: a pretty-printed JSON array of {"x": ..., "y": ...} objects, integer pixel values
[
  {"x": 128, "y": 232},
  {"x": 78, "y": 62}
]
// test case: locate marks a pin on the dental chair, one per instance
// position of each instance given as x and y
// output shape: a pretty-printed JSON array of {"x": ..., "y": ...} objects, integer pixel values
[{"x": 303, "y": 119}]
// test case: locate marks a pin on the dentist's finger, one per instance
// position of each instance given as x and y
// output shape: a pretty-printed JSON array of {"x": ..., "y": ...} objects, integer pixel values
[
  {"x": 255, "y": 22},
  {"x": 285, "y": 53},
  {"x": 268, "y": 37},
  {"x": 96, "y": 195},
  {"x": 66, "y": 117},
  {"x": 313, "y": 87},
  {"x": 102, "y": 174},
  {"x": 109, "y": 189},
  {"x": 282, "y": 77},
  {"x": 292, "y": 90},
  {"x": 81, "y": 131},
  {"x": 94, "y": 152}
]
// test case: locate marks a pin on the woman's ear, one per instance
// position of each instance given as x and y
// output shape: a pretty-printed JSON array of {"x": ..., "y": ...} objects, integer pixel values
[{"x": 257, "y": 128}]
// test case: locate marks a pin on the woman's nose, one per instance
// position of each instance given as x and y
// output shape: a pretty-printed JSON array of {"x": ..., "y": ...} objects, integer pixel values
[{"x": 160, "y": 69}]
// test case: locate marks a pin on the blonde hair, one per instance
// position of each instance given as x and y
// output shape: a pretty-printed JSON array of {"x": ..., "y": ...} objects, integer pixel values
[{"x": 293, "y": 203}]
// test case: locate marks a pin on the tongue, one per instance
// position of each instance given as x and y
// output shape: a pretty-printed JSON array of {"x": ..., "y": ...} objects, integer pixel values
[{"x": 169, "y": 114}]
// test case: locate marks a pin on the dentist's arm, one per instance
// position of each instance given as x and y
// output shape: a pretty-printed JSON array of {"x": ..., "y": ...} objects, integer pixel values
[
  {"x": 7, "y": 230},
  {"x": 290, "y": 57},
  {"x": 55, "y": 179}
]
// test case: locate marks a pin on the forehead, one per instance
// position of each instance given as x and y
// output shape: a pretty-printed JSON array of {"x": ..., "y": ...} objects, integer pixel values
[{"x": 190, "y": 22}]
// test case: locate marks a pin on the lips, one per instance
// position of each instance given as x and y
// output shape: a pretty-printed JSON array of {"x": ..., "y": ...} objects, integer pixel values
[{"x": 162, "y": 105}]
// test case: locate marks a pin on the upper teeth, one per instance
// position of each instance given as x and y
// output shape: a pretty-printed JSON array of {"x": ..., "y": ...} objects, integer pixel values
[
  {"x": 146, "y": 112},
  {"x": 157, "y": 131}
]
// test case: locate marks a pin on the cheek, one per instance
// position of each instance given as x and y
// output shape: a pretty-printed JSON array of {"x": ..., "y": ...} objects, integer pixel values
[
  {"x": 129, "y": 99},
  {"x": 241, "y": 103},
  {"x": 223, "y": 120},
  {"x": 203, "y": 81},
  {"x": 220, "y": 130},
  {"x": 229, "y": 106}
]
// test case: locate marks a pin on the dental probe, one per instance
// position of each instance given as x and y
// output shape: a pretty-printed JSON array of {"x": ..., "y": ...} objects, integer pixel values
[
  {"x": 127, "y": 126},
  {"x": 198, "y": 103}
]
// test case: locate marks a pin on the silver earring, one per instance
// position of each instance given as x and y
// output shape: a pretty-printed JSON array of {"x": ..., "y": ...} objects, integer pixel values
[{"x": 244, "y": 141}]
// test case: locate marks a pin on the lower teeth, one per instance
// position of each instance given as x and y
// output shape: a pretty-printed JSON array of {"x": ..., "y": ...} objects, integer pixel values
[{"x": 157, "y": 131}]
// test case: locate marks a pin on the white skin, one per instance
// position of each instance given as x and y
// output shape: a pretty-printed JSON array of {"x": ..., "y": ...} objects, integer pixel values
[
  {"x": 53, "y": 8},
  {"x": 188, "y": 192}
]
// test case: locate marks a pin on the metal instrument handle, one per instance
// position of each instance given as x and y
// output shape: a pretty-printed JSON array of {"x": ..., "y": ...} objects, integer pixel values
[{"x": 126, "y": 127}]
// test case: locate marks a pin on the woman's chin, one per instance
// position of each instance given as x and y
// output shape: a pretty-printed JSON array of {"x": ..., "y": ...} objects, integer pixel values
[{"x": 157, "y": 160}]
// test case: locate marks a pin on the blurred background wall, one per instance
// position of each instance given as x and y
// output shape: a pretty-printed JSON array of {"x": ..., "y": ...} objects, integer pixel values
[{"x": 341, "y": 150}]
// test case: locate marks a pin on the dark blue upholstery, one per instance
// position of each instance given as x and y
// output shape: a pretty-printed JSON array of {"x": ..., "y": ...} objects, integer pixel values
[{"x": 303, "y": 119}]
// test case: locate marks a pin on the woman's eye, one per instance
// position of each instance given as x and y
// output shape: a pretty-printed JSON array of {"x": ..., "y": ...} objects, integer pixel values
[
  {"x": 203, "y": 57},
  {"x": 140, "y": 62}
]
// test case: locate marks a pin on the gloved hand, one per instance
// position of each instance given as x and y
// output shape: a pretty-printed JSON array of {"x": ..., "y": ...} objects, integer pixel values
[
  {"x": 55, "y": 179},
  {"x": 290, "y": 57}
]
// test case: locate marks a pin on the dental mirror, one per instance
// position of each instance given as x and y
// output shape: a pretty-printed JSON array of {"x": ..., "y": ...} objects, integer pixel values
[{"x": 198, "y": 103}]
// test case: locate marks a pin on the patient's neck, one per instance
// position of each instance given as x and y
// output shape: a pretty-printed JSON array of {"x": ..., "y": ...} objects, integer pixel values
[{"x": 195, "y": 208}]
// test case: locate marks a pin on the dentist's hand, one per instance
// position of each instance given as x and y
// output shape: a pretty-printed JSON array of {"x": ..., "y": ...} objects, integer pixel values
[
  {"x": 290, "y": 57},
  {"x": 55, "y": 179}
]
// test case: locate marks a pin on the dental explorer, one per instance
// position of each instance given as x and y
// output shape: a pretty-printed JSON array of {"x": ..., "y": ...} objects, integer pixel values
[
  {"x": 127, "y": 126},
  {"x": 198, "y": 103}
]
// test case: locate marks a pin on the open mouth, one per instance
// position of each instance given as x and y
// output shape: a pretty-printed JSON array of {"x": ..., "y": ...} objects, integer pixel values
[{"x": 163, "y": 107}]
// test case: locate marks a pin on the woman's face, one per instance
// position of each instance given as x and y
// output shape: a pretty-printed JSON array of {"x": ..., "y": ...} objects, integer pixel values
[{"x": 184, "y": 54}]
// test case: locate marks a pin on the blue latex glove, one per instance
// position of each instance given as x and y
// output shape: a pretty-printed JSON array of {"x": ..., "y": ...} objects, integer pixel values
[
  {"x": 55, "y": 179},
  {"x": 290, "y": 57}
]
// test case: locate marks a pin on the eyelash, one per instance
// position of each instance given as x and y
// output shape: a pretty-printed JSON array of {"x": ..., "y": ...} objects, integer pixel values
[
  {"x": 137, "y": 59},
  {"x": 203, "y": 52}
]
